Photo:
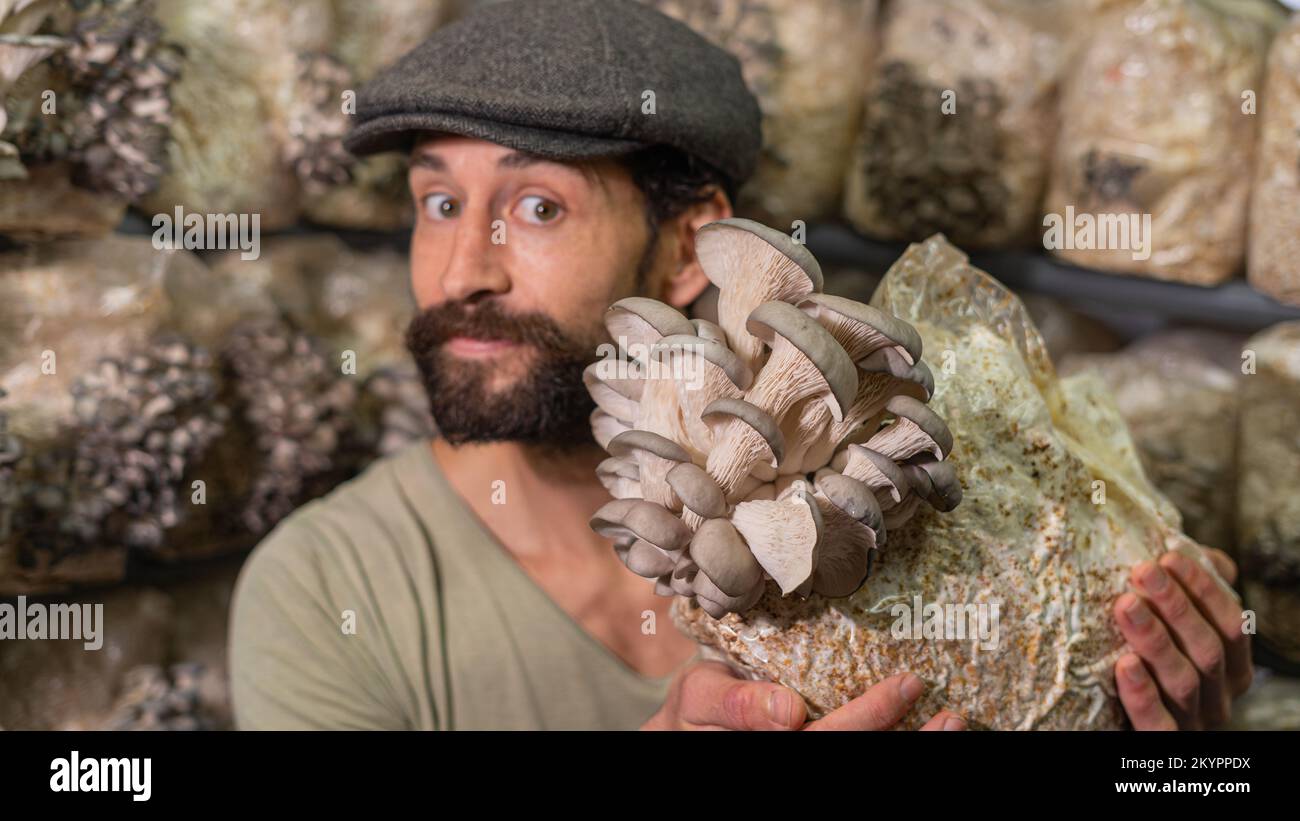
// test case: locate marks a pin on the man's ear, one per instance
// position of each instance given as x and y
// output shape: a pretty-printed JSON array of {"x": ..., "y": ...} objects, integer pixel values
[{"x": 684, "y": 283}]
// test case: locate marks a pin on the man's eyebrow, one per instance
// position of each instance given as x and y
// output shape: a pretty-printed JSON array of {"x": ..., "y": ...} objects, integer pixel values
[
  {"x": 515, "y": 159},
  {"x": 523, "y": 159},
  {"x": 427, "y": 160},
  {"x": 520, "y": 159}
]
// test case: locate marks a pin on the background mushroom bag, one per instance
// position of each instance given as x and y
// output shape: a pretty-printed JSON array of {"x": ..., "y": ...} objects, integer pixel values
[
  {"x": 1155, "y": 120},
  {"x": 1056, "y": 510}
]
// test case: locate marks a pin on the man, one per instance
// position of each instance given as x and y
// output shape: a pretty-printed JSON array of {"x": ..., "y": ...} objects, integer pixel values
[{"x": 457, "y": 585}]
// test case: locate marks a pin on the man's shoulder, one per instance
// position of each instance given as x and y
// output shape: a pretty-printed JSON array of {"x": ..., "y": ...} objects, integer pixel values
[
  {"x": 362, "y": 525},
  {"x": 358, "y": 555}
]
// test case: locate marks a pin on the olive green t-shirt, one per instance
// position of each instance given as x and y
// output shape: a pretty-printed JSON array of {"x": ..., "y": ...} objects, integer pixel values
[{"x": 388, "y": 605}]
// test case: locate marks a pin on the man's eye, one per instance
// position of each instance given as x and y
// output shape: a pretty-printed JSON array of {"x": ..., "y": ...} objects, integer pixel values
[
  {"x": 441, "y": 206},
  {"x": 538, "y": 209}
]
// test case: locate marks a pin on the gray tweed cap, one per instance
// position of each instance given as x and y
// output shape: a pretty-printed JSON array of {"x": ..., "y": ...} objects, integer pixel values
[{"x": 566, "y": 79}]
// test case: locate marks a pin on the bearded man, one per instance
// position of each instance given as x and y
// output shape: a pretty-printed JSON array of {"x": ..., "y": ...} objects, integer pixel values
[{"x": 457, "y": 584}]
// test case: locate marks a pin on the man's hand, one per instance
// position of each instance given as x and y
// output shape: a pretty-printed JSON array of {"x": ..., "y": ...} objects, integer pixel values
[
  {"x": 709, "y": 696},
  {"x": 1190, "y": 657}
]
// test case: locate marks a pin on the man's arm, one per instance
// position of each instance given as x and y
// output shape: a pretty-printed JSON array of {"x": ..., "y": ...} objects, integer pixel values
[{"x": 292, "y": 667}]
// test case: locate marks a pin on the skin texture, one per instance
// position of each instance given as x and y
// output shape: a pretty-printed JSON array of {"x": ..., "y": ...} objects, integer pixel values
[
  {"x": 1190, "y": 658},
  {"x": 569, "y": 267},
  {"x": 708, "y": 696},
  {"x": 573, "y": 239}
]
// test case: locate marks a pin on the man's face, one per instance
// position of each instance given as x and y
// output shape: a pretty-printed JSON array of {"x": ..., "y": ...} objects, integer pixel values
[{"x": 514, "y": 260}]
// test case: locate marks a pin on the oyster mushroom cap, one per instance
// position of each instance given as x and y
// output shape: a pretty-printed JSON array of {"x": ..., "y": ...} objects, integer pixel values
[
  {"x": 626, "y": 520},
  {"x": 786, "y": 329},
  {"x": 934, "y": 481},
  {"x": 621, "y": 466},
  {"x": 697, "y": 490},
  {"x": 663, "y": 587},
  {"x": 711, "y": 331},
  {"x": 910, "y": 379},
  {"x": 752, "y": 264},
  {"x": 722, "y": 411},
  {"x": 860, "y": 328},
  {"x": 783, "y": 537},
  {"x": 735, "y": 247},
  {"x": 817, "y": 437},
  {"x": 638, "y": 320},
  {"x": 898, "y": 515},
  {"x": 683, "y": 575},
  {"x": 916, "y": 429},
  {"x": 631, "y": 386},
  {"x": 717, "y": 603},
  {"x": 843, "y": 560},
  {"x": 604, "y": 427},
  {"x": 851, "y": 496},
  {"x": 644, "y": 559},
  {"x": 876, "y": 470},
  {"x": 608, "y": 397},
  {"x": 655, "y": 455},
  {"x": 630, "y": 442},
  {"x": 720, "y": 551},
  {"x": 621, "y": 476},
  {"x": 711, "y": 352}
]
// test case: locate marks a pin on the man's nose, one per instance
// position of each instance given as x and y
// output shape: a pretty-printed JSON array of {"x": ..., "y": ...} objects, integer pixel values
[{"x": 475, "y": 268}]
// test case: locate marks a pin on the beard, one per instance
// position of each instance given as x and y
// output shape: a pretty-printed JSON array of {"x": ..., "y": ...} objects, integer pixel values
[{"x": 547, "y": 406}]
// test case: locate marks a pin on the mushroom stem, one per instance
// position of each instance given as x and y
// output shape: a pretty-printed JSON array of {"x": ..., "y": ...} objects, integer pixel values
[
  {"x": 787, "y": 378},
  {"x": 752, "y": 264},
  {"x": 660, "y": 412},
  {"x": 876, "y": 471},
  {"x": 735, "y": 454}
]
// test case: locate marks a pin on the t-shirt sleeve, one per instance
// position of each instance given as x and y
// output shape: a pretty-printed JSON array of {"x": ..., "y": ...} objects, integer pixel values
[{"x": 293, "y": 665}]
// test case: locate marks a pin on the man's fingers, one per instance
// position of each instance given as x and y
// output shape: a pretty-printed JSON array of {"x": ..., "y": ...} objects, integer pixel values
[
  {"x": 1138, "y": 694},
  {"x": 879, "y": 708},
  {"x": 1224, "y": 564},
  {"x": 1199, "y": 641},
  {"x": 713, "y": 696},
  {"x": 1179, "y": 680},
  {"x": 945, "y": 720},
  {"x": 1222, "y": 611}
]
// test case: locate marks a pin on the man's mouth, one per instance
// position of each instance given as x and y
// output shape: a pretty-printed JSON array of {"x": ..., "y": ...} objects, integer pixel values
[{"x": 472, "y": 347}]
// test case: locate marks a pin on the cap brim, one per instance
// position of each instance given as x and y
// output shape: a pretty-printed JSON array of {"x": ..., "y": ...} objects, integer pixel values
[{"x": 397, "y": 132}]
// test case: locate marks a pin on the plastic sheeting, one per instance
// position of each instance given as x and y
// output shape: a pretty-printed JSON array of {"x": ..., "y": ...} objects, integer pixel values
[
  {"x": 1056, "y": 511},
  {"x": 1275, "y": 206}
]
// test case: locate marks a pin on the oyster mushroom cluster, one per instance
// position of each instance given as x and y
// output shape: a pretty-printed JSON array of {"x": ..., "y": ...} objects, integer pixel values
[{"x": 781, "y": 443}]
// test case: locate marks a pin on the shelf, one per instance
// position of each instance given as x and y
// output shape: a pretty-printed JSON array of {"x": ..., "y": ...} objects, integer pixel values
[{"x": 1112, "y": 298}]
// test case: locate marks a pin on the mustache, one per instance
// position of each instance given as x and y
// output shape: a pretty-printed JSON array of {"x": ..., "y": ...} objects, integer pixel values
[{"x": 434, "y": 326}]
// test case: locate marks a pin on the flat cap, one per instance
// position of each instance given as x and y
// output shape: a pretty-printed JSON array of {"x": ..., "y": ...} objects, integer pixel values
[{"x": 566, "y": 79}]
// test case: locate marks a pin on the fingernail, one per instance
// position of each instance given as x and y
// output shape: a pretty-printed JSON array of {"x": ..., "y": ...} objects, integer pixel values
[
  {"x": 780, "y": 707},
  {"x": 954, "y": 723},
  {"x": 1177, "y": 564},
  {"x": 1137, "y": 613},
  {"x": 911, "y": 687},
  {"x": 1153, "y": 578}
]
